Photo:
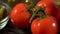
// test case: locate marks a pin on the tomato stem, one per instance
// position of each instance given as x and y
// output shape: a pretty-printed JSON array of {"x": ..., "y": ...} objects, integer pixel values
[
  {"x": 42, "y": 15},
  {"x": 40, "y": 11},
  {"x": 33, "y": 15},
  {"x": 37, "y": 11}
]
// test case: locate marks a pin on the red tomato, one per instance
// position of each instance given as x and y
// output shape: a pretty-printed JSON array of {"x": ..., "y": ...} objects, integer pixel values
[
  {"x": 20, "y": 16},
  {"x": 48, "y": 6},
  {"x": 58, "y": 15},
  {"x": 58, "y": 19},
  {"x": 46, "y": 25}
]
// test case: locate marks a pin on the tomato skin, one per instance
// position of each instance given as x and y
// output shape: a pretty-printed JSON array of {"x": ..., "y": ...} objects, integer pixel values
[
  {"x": 19, "y": 16},
  {"x": 48, "y": 6},
  {"x": 58, "y": 15},
  {"x": 47, "y": 25},
  {"x": 20, "y": 7},
  {"x": 58, "y": 19}
]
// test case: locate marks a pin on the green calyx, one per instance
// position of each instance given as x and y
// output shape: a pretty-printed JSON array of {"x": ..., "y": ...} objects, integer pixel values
[{"x": 37, "y": 12}]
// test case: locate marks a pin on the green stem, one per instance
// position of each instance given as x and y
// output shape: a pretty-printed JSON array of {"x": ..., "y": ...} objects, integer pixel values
[
  {"x": 42, "y": 15},
  {"x": 35, "y": 11},
  {"x": 33, "y": 15}
]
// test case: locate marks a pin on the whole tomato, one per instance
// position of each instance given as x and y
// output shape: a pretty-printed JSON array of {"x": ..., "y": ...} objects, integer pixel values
[
  {"x": 49, "y": 7},
  {"x": 47, "y": 25},
  {"x": 20, "y": 16}
]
